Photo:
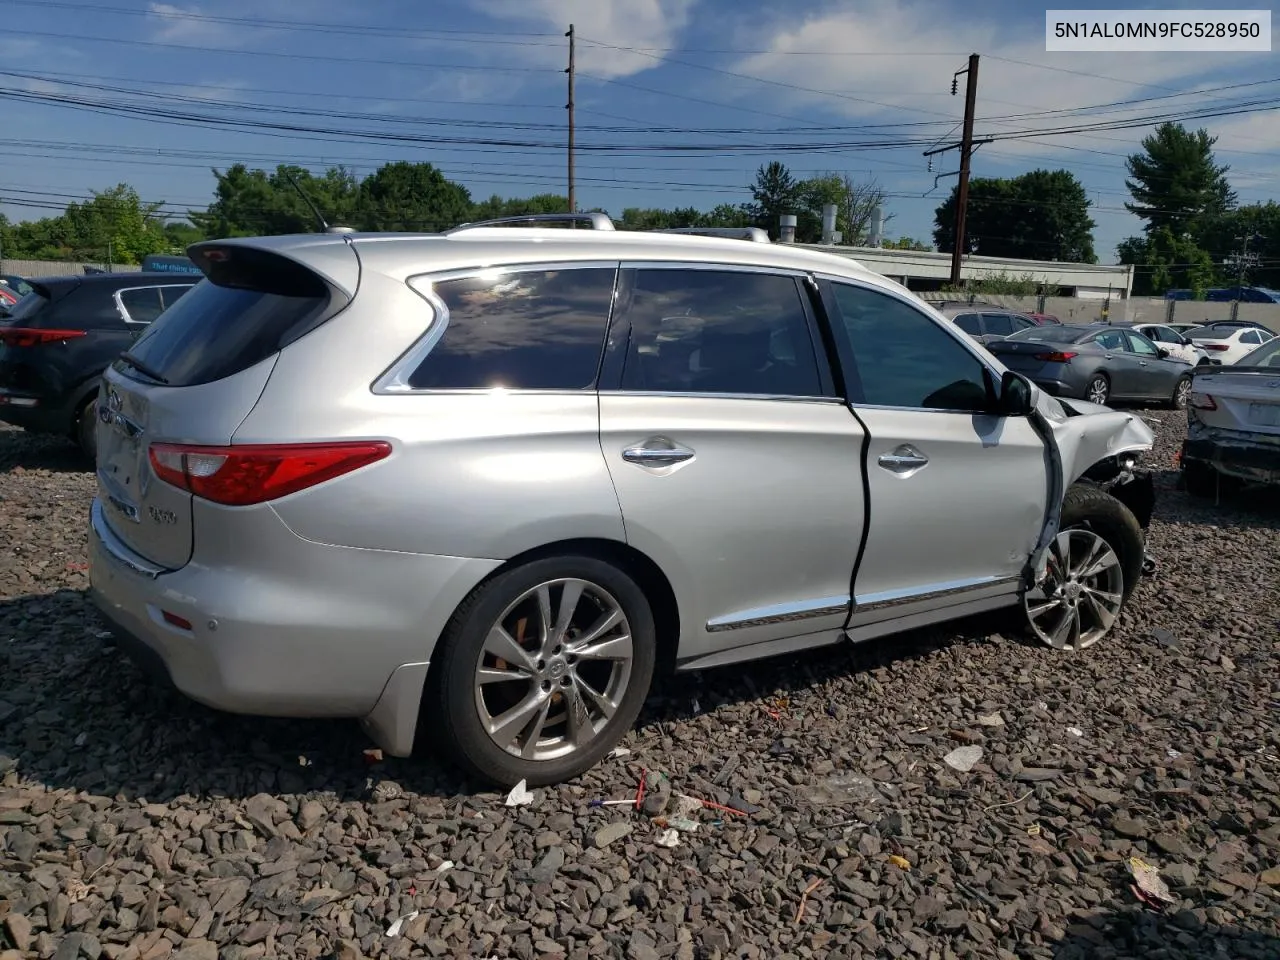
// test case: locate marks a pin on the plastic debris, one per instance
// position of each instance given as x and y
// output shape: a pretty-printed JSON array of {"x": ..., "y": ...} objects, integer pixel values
[
  {"x": 685, "y": 806},
  {"x": 519, "y": 795},
  {"x": 681, "y": 824},
  {"x": 1147, "y": 885},
  {"x": 1173, "y": 754},
  {"x": 847, "y": 788},
  {"x": 398, "y": 924},
  {"x": 804, "y": 897},
  {"x": 629, "y": 802},
  {"x": 1075, "y": 731},
  {"x": 668, "y": 838},
  {"x": 620, "y": 752},
  {"x": 373, "y": 755},
  {"x": 963, "y": 758},
  {"x": 990, "y": 720},
  {"x": 447, "y": 865},
  {"x": 901, "y": 862}
]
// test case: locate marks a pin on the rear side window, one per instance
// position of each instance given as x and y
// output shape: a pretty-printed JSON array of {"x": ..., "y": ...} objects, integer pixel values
[
  {"x": 141, "y": 304},
  {"x": 726, "y": 332},
  {"x": 969, "y": 323},
  {"x": 998, "y": 324},
  {"x": 253, "y": 304},
  {"x": 528, "y": 330}
]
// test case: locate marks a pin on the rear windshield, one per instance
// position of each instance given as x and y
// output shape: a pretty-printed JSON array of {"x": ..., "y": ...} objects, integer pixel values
[
  {"x": 1211, "y": 333},
  {"x": 247, "y": 309},
  {"x": 1054, "y": 334}
]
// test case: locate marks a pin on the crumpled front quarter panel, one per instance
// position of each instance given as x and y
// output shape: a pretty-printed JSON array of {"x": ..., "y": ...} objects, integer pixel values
[{"x": 1097, "y": 433}]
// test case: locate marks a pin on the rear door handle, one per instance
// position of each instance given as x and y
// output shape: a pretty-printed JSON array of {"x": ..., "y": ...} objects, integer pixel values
[
  {"x": 906, "y": 459},
  {"x": 657, "y": 452}
]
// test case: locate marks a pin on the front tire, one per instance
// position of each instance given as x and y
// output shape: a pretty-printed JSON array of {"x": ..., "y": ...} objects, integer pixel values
[
  {"x": 1099, "y": 390},
  {"x": 1094, "y": 566},
  {"x": 541, "y": 671}
]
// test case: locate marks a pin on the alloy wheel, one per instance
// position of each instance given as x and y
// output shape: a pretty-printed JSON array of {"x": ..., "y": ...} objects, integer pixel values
[
  {"x": 554, "y": 669},
  {"x": 1181, "y": 392},
  {"x": 1079, "y": 600},
  {"x": 1098, "y": 391}
]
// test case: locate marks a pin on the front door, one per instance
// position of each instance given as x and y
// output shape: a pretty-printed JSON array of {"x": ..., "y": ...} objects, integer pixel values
[
  {"x": 737, "y": 467},
  {"x": 1123, "y": 366},
  {"x": 957, "y": 494},
  {"x": 1158, "y": 374}
]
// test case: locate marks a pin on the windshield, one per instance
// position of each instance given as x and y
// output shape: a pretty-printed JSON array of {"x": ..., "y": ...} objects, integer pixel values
[
  {"x": 1054, "y": 334},
  {"x": 1267, "y": 355}
]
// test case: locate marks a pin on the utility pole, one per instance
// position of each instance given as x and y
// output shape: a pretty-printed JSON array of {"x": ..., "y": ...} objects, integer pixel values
[
  {"x": 1242, "y": 265},
  {"x": 966, "y": 152},
  {"x": 966, "y": 146},
  {"x": 573, "y": 203}
]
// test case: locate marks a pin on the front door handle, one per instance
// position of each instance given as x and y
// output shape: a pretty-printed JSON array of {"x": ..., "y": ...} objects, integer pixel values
[
  {"x": 906, "y": 459},
  {"x": 657, "y": 452}
]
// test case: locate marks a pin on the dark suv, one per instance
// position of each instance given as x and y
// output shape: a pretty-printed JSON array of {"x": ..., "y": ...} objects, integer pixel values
[{"x": 57, "y": 340}]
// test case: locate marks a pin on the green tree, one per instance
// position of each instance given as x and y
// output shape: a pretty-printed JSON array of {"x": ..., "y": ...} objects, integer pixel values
[
  {"x": 1223, "y": 237},
  {"x": 906, "y": 243},
  {"x": 1041, "y": 215},
  {"x": 1175, "y": 181},
  {"x": 179, "y": 235},
  {"x": 257, "y": 203},
  {"x": 497, "y": 206},
  {"x": 774, "y": 193},
  {"x": 115, "y": 226},
  {"x": 406, "y": 196},
  {"x": 1166, "y": 261}
]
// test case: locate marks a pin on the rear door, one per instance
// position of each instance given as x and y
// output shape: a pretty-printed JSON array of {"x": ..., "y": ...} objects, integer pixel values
[
  {"x": 1120, "y": 363},
  {"x": 736, "y": 464},
  {"x": 194, "y": 375},
  {"x": 957, "y": 494},
  {"x": 997, "y": 324}
]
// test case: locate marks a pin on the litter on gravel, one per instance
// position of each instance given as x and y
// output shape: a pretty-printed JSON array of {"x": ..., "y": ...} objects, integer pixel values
[{"x": 963, "y": 758}]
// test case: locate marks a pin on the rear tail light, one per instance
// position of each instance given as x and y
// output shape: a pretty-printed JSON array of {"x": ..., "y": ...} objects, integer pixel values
[
  {"x": 27, "y": 337},
  {"x": 243, "y": 475},
  {"x": 1057, "y": 356},
  {"x": 1216, "y": 346},
  {"x": 1202, "y": 401}
]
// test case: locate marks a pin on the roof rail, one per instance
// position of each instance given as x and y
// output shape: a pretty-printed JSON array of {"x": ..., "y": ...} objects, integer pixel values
[
  {"x": 598, "y": 221},
  {"x": 754, "y": 234}
]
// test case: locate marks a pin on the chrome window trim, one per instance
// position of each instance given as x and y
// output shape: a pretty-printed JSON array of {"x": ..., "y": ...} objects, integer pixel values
[
  {"x": 708, "y": 265},
  {"x": 118, "y": 297},
  {"x": 395, "y": 380},
  {"x": 949, "y": 329},
  {"x": 788, "y": 612}
]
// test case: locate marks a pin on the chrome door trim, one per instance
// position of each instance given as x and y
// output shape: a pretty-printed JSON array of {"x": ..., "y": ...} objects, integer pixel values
[
  {"x": 780, "y": 613},
  {"x": 124, "y": 313},
  {"x": 889, "y": 599},
  {"x": 707, "y": 265}
]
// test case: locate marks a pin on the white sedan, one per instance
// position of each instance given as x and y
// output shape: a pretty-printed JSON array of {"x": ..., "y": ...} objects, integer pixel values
[
  {"x": 1229, "y": 344},
  {"x": 1233, "y": 424},
  {"x": 1179, "y": 347}
]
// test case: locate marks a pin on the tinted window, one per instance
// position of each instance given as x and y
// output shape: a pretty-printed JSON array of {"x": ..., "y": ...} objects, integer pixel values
[
  {"x": 1023, "y": 323},
  {"x": 253, "y": 304},
  {"x": 26, "y": 308},
  {"x": 1250, "y": 336},
  {"x": 1210, "y": 333},
  {"x": 903, "y": 358},
  {"x": 969, "y": 323},
  {"x": 998, "y": 324},
  {"x": 1053, "y": 334},
  {"x": 142, "y": 304},
  {"x": 171, "y": 295},
  {"x": 1112, "y": 340},
  {"x": 1140, "y": 344},
  {"x": 709, "y": 331},
  {"x": 540, "y": 330},
  {"x": 1268, "y": 356}
]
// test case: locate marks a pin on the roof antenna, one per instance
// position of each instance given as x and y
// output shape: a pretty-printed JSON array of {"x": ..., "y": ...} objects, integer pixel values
[{"x": 314, "y": 209}]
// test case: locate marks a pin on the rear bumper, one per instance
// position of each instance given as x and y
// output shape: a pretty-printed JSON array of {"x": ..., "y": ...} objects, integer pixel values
[
  {"x": 1249, "y": 457},
  {"x": 289, "y": 627}
]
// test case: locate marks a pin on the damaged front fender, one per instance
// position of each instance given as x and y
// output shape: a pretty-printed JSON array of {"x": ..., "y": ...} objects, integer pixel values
[{"x": 1087, "y": 441}]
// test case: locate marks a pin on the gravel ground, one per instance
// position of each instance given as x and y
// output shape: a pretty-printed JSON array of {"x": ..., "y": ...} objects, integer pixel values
[{"x": 134, "y": 824}]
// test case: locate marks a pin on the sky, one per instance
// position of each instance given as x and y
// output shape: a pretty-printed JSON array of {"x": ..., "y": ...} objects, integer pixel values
[{"x": 678, "y": 102}]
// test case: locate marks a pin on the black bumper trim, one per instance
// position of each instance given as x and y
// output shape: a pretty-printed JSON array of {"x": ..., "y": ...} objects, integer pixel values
[{"x": 143, "y": 656}]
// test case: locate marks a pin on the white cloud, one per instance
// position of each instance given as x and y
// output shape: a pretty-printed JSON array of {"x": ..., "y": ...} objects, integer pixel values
[
  {"x": 184, "y": 25},
  {"x": 611, "y": 23},
  {"x": 907, "y": 86}
]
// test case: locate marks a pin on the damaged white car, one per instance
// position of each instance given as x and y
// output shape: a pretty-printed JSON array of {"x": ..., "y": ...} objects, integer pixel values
[
  {"x": 1233, "y": 424},
  {"x": 472, "y": 488}
]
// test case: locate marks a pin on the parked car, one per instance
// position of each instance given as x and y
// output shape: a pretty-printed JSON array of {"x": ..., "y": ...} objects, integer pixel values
[
  {"x": 471, "y": 488},
  {"x": 1095, "y": 362},
  {"x": 1179, "y": 347},
  {"x": 1229, "y": 344},
  {"x": 8, "y": 297},
  {"x": 987, "y": 323},
  {"x": 15, "y": 283},
  {"x": 1233, "y": 424},
  {"x": 56, "y": 341},
  {"x": 1042, "y": 318}
]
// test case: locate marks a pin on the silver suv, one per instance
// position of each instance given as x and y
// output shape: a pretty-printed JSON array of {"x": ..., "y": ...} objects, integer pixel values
[{"x": 472, "y": 487}]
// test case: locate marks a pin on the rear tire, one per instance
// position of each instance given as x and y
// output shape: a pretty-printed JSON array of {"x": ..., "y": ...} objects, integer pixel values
[
  {"x": 570, "y": 695},
  {"x": 1094, "y": 566},
  {"x": 86, "y": 431},
  {"x": 1181, "y": 390},
  {"x": 1099, "y": 387}
]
